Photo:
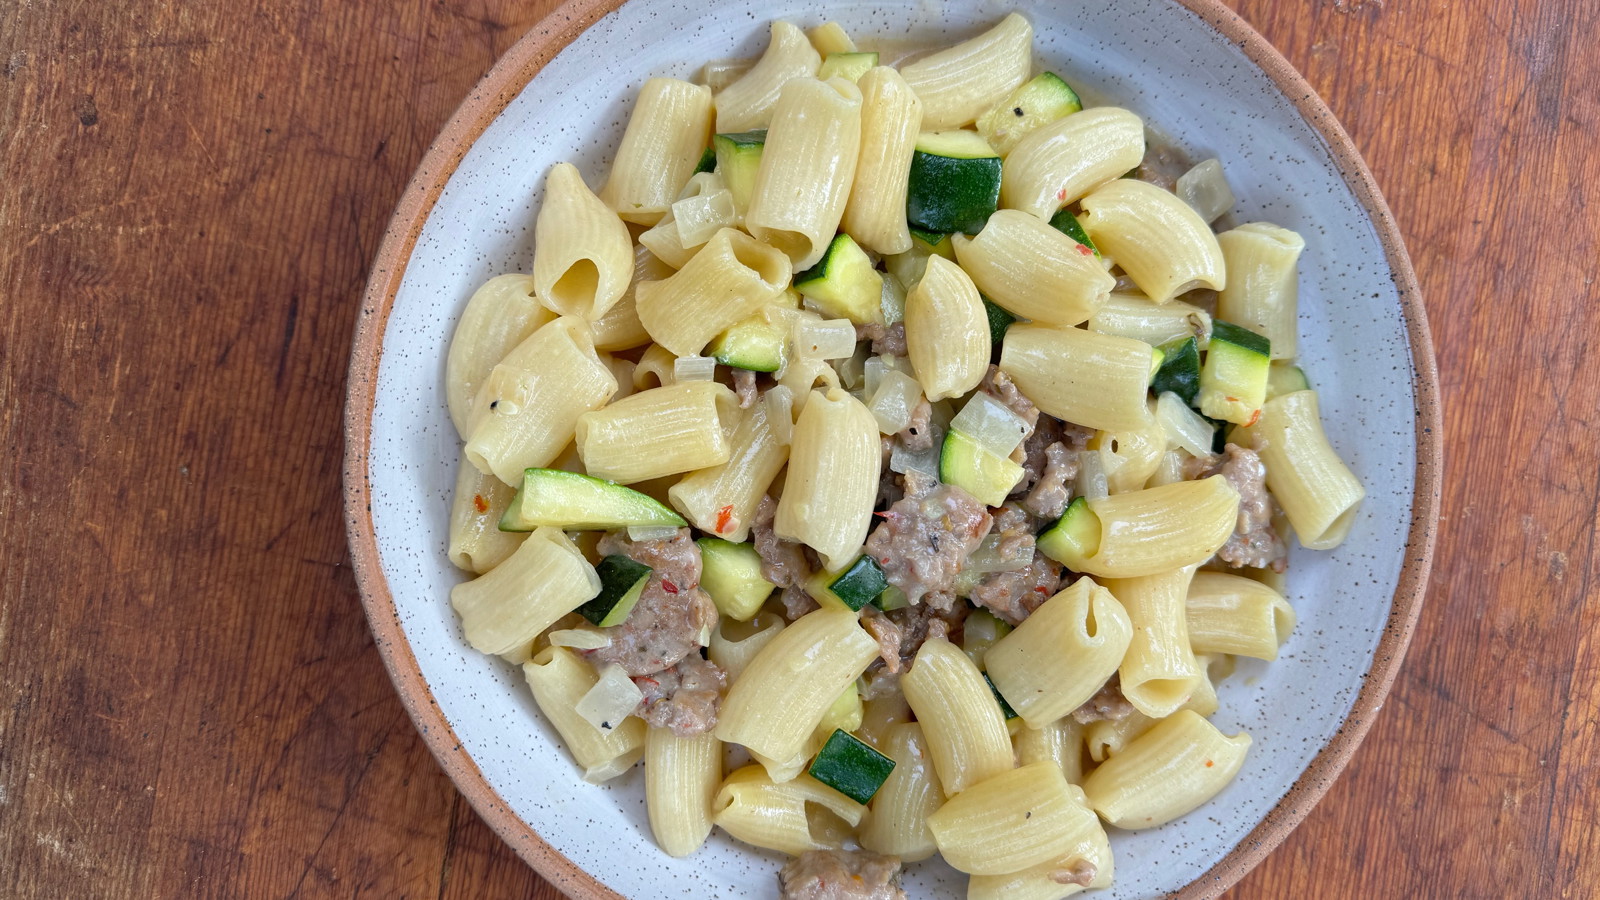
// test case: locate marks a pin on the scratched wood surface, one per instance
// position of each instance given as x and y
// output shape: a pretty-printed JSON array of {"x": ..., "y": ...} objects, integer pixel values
[{"x": 190, "y": 195}]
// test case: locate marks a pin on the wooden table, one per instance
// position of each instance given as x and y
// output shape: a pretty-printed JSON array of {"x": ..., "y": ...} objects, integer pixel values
[{"x": 190, "y": 195}]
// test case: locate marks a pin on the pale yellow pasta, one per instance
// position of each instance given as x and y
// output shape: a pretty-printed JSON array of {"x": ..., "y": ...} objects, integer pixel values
[
  {"x": 830, "y": 37},
  {"x": 1134, "y": 316},
  {"x": 665, "y": 243},
  {"x": 1061, "y": 654},
  {"x": 734, "y": 644},
  {"x": 753, "y": 808},
  {"x": 1159, "y": 672},
  {"x": 1316, "y": 489},
  {"x": 582, "y": 254},
  {"x": 832, "y": 483},
  {"x": 897, "y": 823},
  {"x": 1180, "y": 763},
  {"x": 666, "y": 134},
  {"x": 1263, "y": 292},
  {"x": 719, "y": 73},
  {"x": 947, "y": 331},
  {"x": 1204, "y": 699},
  {"x": 776, "y": 704},
  {"x": 747, "y": 103},
  {"x": 1033, "y": 270},
  {"x": 620, "y": 328},
  {"x": 1160, "y": 529},
  {"x": 1106, "y": 738},
  {"x": 727, "y": 281},
  {"x": 891, "y": 119},
  {"x": 658, "y": 432},
  {"x": 1129, "y": 457},
  {"x": 1059, "y": 742},
  {"x": 528, "y": 407},
  {"x": 1232, "y": 614},
  {"x": 500, "y": 315},
  {"x": 1061, "y": 161},
  {"x": 722, "y": 499},
  {"x": 807, "y": 166},
  {"x": 656, "y": 368},
  {"x": 1095, "y": 380},
  {"x": 1157, "y": 239},
  {"x": 1086, "y": 866},
  {"x": 545, "y": 579},
  {"x": 1014, "y": 820},
  {"x": 960, "y": 83},
  {"x": 559, "y": 679},
  {"x": 965, "y": 729},
  {"x": 476, "y": 542},
  {"x": 682, "y": 776}
]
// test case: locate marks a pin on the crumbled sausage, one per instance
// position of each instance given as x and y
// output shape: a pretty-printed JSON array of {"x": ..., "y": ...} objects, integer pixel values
[
  {"x": 744, "y": 384},
  {"x": 784, "y": 563},
  {"x": 1254, "y": 543},
  {"x": 673, "y": 615},
  {"x": 925, "y": 537},
  {"x": 841, "y": 875},
  {"x": 684, "y": 698}
]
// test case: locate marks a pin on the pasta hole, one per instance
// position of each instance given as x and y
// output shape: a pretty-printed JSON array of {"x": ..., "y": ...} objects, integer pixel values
[
  {"x": 794, "y": 245},
  {"x": 1091, "y": 626},
  {"x": 573, "y": 293}
]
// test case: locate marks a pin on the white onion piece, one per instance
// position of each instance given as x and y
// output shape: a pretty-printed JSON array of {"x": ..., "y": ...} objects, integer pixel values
[
  {"x": 652, "y": 532},
  {"x": 830, "y": 339},
  {"x": 852, "y": 371},
  {"x": 612, "y": 699},
  {"x": 892, "y": 403},
  {"x": 1169, "y": 470},
  {"x": 893, "y": 299},
  {"x": 701, "y": 217},
  {"x": 580, "y": 638},
  {"x": 694, "y": 368},
  {"x": 1183, "y": 426},
  {"x": 925, "y": 461},
  {"x": 1092, "y": 475},
  {"x": 1205, "y": 188},
  {"x": 988, "y": 558},
  {"x": 989, "y": 423},
  {"x": 780, "y": 412}
]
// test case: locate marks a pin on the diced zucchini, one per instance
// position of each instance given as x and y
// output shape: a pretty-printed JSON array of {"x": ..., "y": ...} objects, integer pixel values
[
  {"x": 954, "y": 183},
  {"x": 1233, "y": 378},
  {"x": 1038, "y": 102},
  {"x": 758, "y": 344},
  {"x": 1180, "y": 369},
  {"x": 859, "y": 584},
  {"x": 843, "y": 284},
  {"x": 1283, "y": 378},
  {"x": 934, "y": 243},
  {"x": 983, "y": 474},
  {"x": 999, "y": 320},
  {"x": 891, "y": 599},
  {"x": 851, "y": 767},
  {"x": 1074, "y": 538},
  {"x": 622, "y": 580},
  {"x": 1157, "y": 357},
  {"x": 576, "y": 502},
  {"x": 1005, "y": 708},
  {"x": 849, "y": 66},
  {"x": 1067, "y": 223},
  {"x": 738, "y": 158},
  {"x": 731, "y": 574},
  {"x": 708, "y": 161},
  {"x": 844, "y": 714}
]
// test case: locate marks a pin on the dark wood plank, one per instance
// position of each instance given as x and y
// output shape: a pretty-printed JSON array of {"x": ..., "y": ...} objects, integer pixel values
[{"x": 191, "y": 198}]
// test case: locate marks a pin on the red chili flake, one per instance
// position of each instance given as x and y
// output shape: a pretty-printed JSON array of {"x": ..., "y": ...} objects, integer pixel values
[
  {"x": 1062, "y": 194},
  {"x": 724, "y": 519},
  {"x": 480, "y": 504},
  {"x": 643, "y": 678},
  {"x": 668, "y": 586},
  {"x": 1254, "y": 418},
  {"x": 1042, "y": 589},
  {"x": 1085, "y": 250},
  {"x": 1209, "y": 763}
]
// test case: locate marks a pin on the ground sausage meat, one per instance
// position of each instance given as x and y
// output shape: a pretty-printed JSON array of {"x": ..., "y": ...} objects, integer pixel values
[
  {"x": 783, "y": 563},
  {"x": 1049, "y": 432},
  {"x": 887, "y": 340},
  {"x": 1107, "y": 704},
  {"x": 918, "y": 433},
  {"x": 1013, "y": 596},
  {"x": 1254, "y": 542},
  {"x": 841, "y": 875},
  {"x": 924, "y": 538},
  {"x": 1162, "y": 165},
  {"x": 1050, "y": 493},
  {"x": 684, "y": 698},
  {"x": 673, "y": 614},
  {"x": 744, "y": 384},
  {"x": 900, "y": 633},
  {"x": 997, "y": 384}
]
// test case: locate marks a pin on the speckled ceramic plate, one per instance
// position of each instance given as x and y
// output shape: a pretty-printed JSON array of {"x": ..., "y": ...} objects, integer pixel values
[{"x": 1193, "y": 70}]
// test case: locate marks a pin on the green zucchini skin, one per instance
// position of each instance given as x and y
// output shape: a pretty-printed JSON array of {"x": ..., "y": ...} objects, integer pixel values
[
  {"x": 755, "y": 344},
  {"x": 708, "y": 161},
  {"x": 1005, "y": 708},
  {"x": 1067, "y": 223},
  {"x": 844, "y": 283},
  {"x": 850, "y": 766},
  {"x": 1074, "y": 537},
  {"x": 622, "y": 580},
  {"x": 849, "y": 66},
  {"x": 1040, "y": 101},
  {"x": 1180, "y": 370},
  {"x": 999, "y": 320},
  {"x": 859, "y": 584},
  {"x": 731, "y": 574},
  {"x": 954, "y": 183},
  {"x": 738, "y": 159},
  {"x": 1233, "y": 378}
]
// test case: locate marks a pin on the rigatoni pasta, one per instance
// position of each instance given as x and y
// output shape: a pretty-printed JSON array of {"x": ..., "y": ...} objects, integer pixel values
[
  {"x": 1162, "y": 243},
  {"x": 666, "y": 133},
  {"x": 500, "y": 315},
  {"x": 747, "y": 103},
  {"x": 960, "y": 83},
  {"x": 891, "y": 118},
  {"x": 1034, "y": 270},
  {"x": 807, "y": 167},
  {"x": 1060, "y": 162},
  {"x": 584, "y": 259}
]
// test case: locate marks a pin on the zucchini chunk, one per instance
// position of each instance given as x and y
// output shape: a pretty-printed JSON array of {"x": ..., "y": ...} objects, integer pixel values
[
  {"x": 1180, "y": 369},
  {"x": 849, "y": 66},
  {"x": 1285, "y": 379},
  {"x": 1074, "y": 538},
  {"x": 738, "y": 158},
  {"x": 954, "y": 183},
  {"x": 622, "y": 580},
  {"x": 731, "y": 574},
  {"x": 576, "y": 502},
  {"x": 932, "y": 243},
  {"x": 708, "y": 161},
  {"x": 1233, "y": 379},
  {"x": 1067, "y": 223},
  {"x": 850, "y": 766},
  {"x": 859, "y": 584},
  {"x": 1038, "y": 102},
  {"x": 843, "y": 284},
  {"x": 969, "y": 466}
]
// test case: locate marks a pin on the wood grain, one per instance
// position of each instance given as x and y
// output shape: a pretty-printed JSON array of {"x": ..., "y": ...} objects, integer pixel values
[{"x": 191, "y": 197}]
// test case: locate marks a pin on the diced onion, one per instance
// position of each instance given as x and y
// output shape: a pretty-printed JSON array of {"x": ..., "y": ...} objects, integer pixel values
[
  {"x": 989, "y": 423},
  {"x": 1169, "y": 470},
  {"x": 852, "y": 371},
  {"x": 694, "y": 368},
  {"x": 1183, "y": 426},
  {"x": 925, "y": 461},
  {"x": 830, "y": 339},
  {"x": 580, "y": 638},
  {"x": 652, "y": 532},
  {"x": 612, "y": 699},
  {"x": 892, "y": 403},
  {"x": 780, "y": 412},
  {"x": 893, "y": 299},
  {"x": 1205, "y": 188},
  {"x": 701, "y": 217},
  {"x": 1092, "y": 475},
  {"x": 988, "y": 558}
]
